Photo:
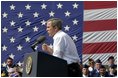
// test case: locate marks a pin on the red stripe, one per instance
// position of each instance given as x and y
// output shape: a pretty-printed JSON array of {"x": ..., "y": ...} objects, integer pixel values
[
  {"x": 95, "y": 48},
  {"x": 100, "y": 25},
  {"x": 99, "y": 4}
]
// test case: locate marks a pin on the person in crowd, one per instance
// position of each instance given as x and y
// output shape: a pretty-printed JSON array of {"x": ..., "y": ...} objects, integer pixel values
[
  {"x": 102, "y": 72},
  {"x": 85, "y": 71},
  {"x": 98, "y": 64},
  {"x": 9, "y": 64},
  {"x": 112, "y": 71},
  {"x": 111, "y": 62},
  {"x": 63, "y": 46},
  {"x": 91, "y": 66}
]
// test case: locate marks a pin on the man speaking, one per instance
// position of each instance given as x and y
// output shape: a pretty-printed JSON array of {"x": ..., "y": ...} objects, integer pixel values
[{"x": 63, "y": 46}]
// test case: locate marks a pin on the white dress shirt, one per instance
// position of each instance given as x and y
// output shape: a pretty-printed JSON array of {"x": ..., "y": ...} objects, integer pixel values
[{"x": 64, "y": 47}]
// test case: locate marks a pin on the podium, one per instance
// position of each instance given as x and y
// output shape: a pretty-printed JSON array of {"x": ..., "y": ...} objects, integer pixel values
[{"x": 40, "y": 64}]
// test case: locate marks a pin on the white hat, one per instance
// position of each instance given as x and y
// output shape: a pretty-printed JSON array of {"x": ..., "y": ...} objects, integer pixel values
[{"x": 11, "y": 70}]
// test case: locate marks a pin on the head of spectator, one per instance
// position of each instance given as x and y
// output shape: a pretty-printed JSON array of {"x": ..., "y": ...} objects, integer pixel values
[
  {"x": 112, "y": 71},
  {"x": 85, "y": 70},
  {"x": 102, "y": 71},
  {"x": 111, "y": 60},
  {"x": 9, "y": 62},
  {"x": 98, "y": 63},
  {"x": 91, "y": 62}
]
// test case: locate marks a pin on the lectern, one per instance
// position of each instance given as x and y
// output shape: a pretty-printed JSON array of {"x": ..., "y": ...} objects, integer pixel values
[{"x": 40, "y": 64}]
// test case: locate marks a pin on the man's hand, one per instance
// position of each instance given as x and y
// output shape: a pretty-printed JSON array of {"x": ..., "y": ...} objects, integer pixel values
[{"x": 46, "y": 48}]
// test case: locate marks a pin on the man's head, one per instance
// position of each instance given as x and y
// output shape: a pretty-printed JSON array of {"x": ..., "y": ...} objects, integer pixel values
[
  {"x": 91, "y": 62},
  {"x": 85, "y": 70},
  {"x": 102, "y": 70},
  {"x": 112, "y": 68},
  {"x": 111, "y": 60},
  {"x": 98, "y": 63},
  {"x": 53, "y": 26},
  {"x": 9, "y": 61}
]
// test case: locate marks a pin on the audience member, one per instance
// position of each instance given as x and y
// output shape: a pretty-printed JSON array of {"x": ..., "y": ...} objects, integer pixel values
[
  {"x": 85, "y": 71},
  {"x": 102, "y": 72},
  {"x": 112, "y": 72},
  {"x": 9, "y": 64}
]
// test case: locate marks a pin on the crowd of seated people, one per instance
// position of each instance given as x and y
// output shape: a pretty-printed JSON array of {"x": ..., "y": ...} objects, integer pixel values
[
  {"x": 11, "y": 70},
  {"x": 91, "y": 69},
  {"x": 97, "y": 69}
]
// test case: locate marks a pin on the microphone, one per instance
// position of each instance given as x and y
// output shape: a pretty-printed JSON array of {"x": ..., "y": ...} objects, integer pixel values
[{"x": 38, "y": 41}]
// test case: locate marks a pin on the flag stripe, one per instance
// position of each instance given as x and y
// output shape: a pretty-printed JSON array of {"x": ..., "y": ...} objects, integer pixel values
[
  {"x": 100, "y": 14},
  {"x": 100, "y": 25},
  {"x": 104, "y": 47},
  {"x": 100, "y": 31},
  {"x": 100, "y": 36},
  {"x": 103, "y": 57},
  {"x": 99, "y": 4}
]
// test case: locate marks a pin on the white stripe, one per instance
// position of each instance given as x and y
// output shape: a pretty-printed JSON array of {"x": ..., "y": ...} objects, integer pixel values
[
  {"x": 100, "y": 14},
  {"x": 102, "y": 56},
  {"x": 100, "y": 36}
]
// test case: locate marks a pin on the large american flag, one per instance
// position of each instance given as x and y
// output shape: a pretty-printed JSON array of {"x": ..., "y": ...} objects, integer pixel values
[
  {"x": 23, "y": 22},
  {"x": 100, "y": 30},
  {"x": 92, "y": 26}
]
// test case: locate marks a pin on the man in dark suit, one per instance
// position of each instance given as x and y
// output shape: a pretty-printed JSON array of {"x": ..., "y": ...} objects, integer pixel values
[
  {"x": 102, "y": 72},
  {"x": 112, "y": 71},
  {"x": 98, "y": 64},
  {"x": 111, "y": 62}
]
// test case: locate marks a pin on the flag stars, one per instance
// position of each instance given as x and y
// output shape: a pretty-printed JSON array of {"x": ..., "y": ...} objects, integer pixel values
[
  {"x": 35, "y": 29},
  {"x": 51, "y": 14},
  {"x": 43, "y": 22},
  {"x": 67, "y": 13},
  {"x": 11, "y": 56},
  {"x": 19, "y": 63},
  {"x": 75, "y": 22},
  {"x": 12, "y": 40},
  {"x": 12, "y": 7},
  {"x": 74, "y": 38},
  {"x": 27, "y": 39},
  {"x": 20, "y": 29},
  {"x": 27, "y": 7},
  {"x": 4, "y": 15},
  {"x": 4, "y": 48},
  {"x": 12, "y": 23},
  {"x": 4, "y": 64},
  {"x": 43, "y": 6},
  {"x": 27, "y": 23},
  {"x": 67, "y": 28},
  {"x": 36, "y": 14},
  {"x": 59, "y": 6},
  {"x": 5, "y": 30},
  {"x": 75, "y": 6},
  {"x": 19, "y": 47},
  {"x": 20, "y": 15}
]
